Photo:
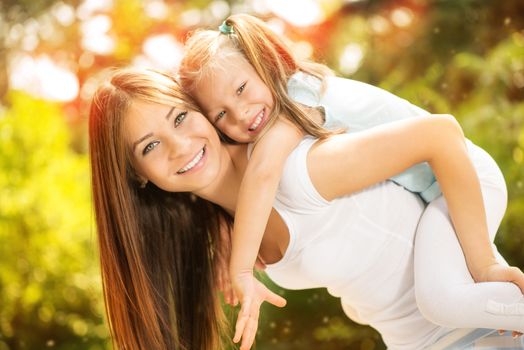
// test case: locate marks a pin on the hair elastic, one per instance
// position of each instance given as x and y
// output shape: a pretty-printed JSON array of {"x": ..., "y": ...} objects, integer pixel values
[{"x": 225, "y": 28}]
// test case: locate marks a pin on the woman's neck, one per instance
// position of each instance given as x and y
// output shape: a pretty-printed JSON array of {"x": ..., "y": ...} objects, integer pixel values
[{"x": 224, "y": 191}]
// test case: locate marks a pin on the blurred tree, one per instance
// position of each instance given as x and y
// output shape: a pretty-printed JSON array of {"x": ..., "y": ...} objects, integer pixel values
[
  {"x": 462, "y": 57},
  {"x": 16, "y": 12},
  {"x": 49, "y": 278}
]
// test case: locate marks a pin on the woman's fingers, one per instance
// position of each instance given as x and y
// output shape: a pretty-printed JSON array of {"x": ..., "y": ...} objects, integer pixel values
[
  {"x": 515, "y": 275},
  {"x": 501, "y": 273},
  {"x": 518, "y": 278}
]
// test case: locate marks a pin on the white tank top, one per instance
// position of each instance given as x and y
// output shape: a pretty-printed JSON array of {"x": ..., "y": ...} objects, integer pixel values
[{"x": 359, "y": 247}]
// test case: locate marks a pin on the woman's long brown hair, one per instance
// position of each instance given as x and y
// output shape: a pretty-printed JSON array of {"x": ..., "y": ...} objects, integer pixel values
[{"x": 156, "y": 248}]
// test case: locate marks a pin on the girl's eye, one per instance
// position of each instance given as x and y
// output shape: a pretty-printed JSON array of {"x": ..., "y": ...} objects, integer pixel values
[
  {"x": 150, "y": 147},
  {"x": 179, "y": 118},
  {"x": 220, "y": 116},
  {"x": 241, "y": 88}
]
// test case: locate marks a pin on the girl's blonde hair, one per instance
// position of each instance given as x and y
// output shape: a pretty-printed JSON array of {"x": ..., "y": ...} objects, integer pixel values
[
  {"x": 157, "y": 249},
  {"x": 272, "y": 59}
]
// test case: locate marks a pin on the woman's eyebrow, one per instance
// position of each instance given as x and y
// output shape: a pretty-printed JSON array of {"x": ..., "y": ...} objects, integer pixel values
[
  {"x": 140, "y": 140},
  {"x": 168, "y": 115}
]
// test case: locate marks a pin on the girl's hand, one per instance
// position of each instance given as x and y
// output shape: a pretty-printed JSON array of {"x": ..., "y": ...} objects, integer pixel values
[
  {"x": 223, "y": 278},
  {"x": 223, "y": 255},
  {"x": 500, "y": 273},
  {"x": 252, "y": 294}
]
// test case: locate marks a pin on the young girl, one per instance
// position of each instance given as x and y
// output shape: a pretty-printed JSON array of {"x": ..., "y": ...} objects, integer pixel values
[{"x": 253, "y": 89}]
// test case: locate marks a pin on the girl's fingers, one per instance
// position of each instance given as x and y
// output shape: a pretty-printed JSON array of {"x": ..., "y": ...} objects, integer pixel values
[
  {"x": 243, "y": 318},
  {"x": 250, "y": 332},
  {"x": 248, "y": 338},
  {"x": 275, "y": 299},
  {"x": 516, "y": 334}
]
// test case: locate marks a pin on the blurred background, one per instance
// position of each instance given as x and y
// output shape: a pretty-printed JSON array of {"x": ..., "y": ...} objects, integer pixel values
[{"x": 464, "y": 57}]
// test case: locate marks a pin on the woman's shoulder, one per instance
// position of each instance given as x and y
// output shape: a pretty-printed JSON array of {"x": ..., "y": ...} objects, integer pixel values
[{"x": 296, "y": 191}]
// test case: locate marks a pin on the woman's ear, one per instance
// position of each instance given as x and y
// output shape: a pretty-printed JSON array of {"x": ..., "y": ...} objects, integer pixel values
[{"x": 142, "y": 181}]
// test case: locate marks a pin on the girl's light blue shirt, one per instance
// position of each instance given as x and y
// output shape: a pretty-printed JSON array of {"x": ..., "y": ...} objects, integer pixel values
[{"x": 358, "y": 106}]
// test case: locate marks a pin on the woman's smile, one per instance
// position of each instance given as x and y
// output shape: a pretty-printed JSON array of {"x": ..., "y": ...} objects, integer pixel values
[
  {"x": 175, "y": 149},
  {"x": 195, "y": 164}
]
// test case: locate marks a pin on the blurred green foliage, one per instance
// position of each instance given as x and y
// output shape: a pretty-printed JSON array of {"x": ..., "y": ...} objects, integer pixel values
[
  {"x": 49, "y": 276},
  {"x": 464, "y": 57}
]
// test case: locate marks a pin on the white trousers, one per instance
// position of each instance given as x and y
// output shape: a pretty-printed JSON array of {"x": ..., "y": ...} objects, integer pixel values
[{"x": 445, "y": 291}]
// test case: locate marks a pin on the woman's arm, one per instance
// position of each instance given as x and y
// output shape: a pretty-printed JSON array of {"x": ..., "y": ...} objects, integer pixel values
[{"x": 347, "y": 163}]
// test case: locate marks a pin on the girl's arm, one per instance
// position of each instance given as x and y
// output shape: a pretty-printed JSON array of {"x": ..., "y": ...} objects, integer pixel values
[
  {"x": 257, "y": 192},
  {"x": 255, "y": 200},
  {"x": 347, "y": 163}
]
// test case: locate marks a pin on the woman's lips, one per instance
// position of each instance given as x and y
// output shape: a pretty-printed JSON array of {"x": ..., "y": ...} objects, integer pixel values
[{"x": 194, "y": 163}]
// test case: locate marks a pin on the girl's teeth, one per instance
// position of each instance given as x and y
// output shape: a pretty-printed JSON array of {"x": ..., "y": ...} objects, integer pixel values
[
  {"x": 192, "y": 163},
  {"x": 257, "y": 122}
]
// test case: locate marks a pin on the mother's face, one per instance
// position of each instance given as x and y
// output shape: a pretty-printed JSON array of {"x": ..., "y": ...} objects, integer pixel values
[{"x": 175, "y": 148}]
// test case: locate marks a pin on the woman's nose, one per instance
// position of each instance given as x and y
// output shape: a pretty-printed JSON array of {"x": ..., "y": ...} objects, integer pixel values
[{"x": 179, "y": 145}]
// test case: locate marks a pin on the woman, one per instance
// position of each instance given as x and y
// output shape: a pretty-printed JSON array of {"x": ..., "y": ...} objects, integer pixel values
[{"x": 157, "y": 168}]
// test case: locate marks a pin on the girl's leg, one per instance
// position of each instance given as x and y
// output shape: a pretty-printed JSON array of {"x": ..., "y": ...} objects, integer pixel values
[
  {"x": 445, "y": 291},
  {"x": 479, "y": 338}
]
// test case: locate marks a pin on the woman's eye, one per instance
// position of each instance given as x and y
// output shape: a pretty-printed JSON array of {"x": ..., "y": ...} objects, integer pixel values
[
  {"x": 241, "y": 88},
  {"x": 179, "y": 118},
  {"x": 150, "y": 147},
  {"x": 220, "y": 116}
]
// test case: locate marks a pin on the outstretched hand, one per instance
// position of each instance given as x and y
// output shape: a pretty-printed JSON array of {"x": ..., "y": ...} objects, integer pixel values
[{"x": 252, "y": 294}]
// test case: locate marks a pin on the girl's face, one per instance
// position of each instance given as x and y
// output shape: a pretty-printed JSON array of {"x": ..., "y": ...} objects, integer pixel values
[
  {"x": 174, "y": 148},
  {"x": 235, "y": 100}
]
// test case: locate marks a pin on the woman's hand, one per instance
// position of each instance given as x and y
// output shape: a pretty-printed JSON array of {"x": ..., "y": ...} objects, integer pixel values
[
  {"x": 252, "y": 294},
  {"x": 514, "y": 334},
  {"x": 500, "y": 273}
]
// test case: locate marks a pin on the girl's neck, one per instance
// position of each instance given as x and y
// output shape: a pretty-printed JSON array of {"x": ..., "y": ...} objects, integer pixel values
[{"x": 224, "y": 191}]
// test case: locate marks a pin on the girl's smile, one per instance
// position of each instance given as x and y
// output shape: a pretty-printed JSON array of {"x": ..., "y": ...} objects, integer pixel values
[
  {"x": 236, "y": 100},
  {"x": 258, "y": 122}
]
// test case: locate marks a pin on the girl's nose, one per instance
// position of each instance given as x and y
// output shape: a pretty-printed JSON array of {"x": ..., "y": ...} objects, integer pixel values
[{"x": 241, "y": 115}]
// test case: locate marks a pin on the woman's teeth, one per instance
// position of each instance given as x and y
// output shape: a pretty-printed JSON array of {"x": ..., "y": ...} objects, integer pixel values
[
  {"x": 257, "y": 121},
  {"x": 192, "y": 163}
]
